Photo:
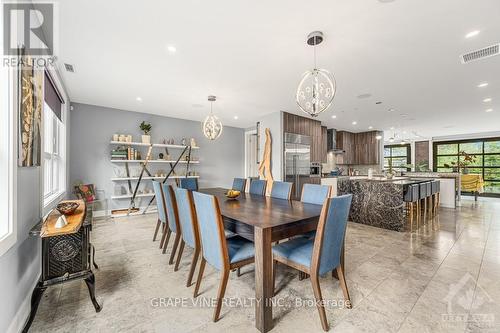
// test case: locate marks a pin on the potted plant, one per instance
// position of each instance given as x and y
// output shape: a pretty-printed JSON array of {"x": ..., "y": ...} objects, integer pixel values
[
  {"x": 146, "y": 128},
  {"x": 390, "y": 172},
  {"x": 468, "y": 159}
]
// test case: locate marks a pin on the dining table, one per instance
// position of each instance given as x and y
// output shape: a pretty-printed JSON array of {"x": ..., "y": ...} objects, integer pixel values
[{"x": 264, "y": 220}]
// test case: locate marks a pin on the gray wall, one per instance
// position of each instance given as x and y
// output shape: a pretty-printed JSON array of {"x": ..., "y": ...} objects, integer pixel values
[{"x": 92, "y": 128}]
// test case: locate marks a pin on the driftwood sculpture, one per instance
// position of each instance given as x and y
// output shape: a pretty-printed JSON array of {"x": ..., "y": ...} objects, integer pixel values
[{"x": 265, "y": 164}]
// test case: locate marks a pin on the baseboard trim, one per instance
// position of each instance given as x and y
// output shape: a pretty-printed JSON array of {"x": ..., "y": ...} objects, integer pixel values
[{"x": 22, "y": 314}]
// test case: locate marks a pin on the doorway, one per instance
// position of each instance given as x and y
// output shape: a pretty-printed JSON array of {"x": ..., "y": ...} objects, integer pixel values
[{"x": 251, "y": 164}]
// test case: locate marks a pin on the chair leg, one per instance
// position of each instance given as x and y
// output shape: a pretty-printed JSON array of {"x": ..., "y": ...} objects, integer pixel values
[
  {"x": 319, "y": 301},
  {"x": 275, "y": 267},
  {"x": 200, "y": 276},
  {"x": 238, "y": 272},
  {"x": 156, "y": 229},
  {"x": 163, "y": 236},
  {"x": 167, "y": 238},
  {"x": 193, "y": 267},
  {"x": 174, "y": 248},
  {"x": 220, "y": 293},
  {"x": 343, "y": 285},
  {"x": 179, "y": 255}
]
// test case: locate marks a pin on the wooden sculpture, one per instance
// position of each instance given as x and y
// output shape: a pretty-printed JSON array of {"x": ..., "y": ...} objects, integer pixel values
[{"x": 265, "y": 171}]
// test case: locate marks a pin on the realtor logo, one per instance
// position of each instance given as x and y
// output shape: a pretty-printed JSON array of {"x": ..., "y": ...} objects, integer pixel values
[{"x": 28, "y": 27}]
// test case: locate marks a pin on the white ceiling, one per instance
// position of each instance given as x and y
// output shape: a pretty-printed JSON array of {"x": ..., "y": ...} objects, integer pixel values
[{"x": 251, "y": 54}]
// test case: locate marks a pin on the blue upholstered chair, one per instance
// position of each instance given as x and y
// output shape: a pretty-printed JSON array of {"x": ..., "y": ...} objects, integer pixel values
[
  {"x": 221, "y": 253},
  {"x": 321, "y": 254},
  {"x": 281, "y": 190},
  {"x": 173, "y": 220},
  {"x": 189, "y": 184},
  {"x": 239, "y": 184},
  {"x": 162, "y": 213},
  {"x": 314, "y": 194},
  {"x": 258, "y": 187},
  {"x": 189, "y": 229}
]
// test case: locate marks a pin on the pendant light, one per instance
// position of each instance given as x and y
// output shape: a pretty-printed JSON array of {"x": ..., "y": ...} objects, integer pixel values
[
  {"x": 211, "y": 126},
  {"x": 317, "y": 88}
]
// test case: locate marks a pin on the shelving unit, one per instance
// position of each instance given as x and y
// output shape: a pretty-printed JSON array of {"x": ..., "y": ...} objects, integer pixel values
[{"x": 184, "y": 159}]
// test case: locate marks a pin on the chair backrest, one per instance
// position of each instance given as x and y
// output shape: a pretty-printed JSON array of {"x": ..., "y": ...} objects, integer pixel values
[
  {"x": 171, "y": 204},
  {"x": 314, "y": 194},
  {"x": 189, "y": 184},
  {"x": 213, "y": 239},
  {"x": 160, "y": 201},
  {"x": 423, "y": 190},
  {"x": 239, "y": 184},
  {"x": 281, "y": 190},
  {"x": 187, "y": 217},
  {"x": 330, "y": 234},
  {"x": 258, "y": 187}
]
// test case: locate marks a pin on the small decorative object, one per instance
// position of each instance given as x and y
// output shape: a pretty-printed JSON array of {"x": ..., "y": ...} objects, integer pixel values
[
  {"x": 193, "y": 142},
  {"x": 61, "y": 222},
  {"x": 129, "y": 138},
  {"x": 390, "y": 172},
  {"x": 146, "y": 128},
  {"x": 265, "y": 171},
  {"x": 211, "y": 126},
  {"x": 167, "y": 157},
  {"x": 183, "y": 141},
  {"x": 232, "y": 194},
  {"x": 67, "y": 208},
  {"x": 121, "y": 138},
  {"x": 160, "y": 156},
  {"x": 317, "y": 88},
  {"x": 115, "y": 137},
  {"x": 171, "y": 141}
]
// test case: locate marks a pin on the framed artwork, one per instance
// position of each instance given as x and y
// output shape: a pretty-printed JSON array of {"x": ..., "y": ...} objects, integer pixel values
[{"x": 30, "y": 114}]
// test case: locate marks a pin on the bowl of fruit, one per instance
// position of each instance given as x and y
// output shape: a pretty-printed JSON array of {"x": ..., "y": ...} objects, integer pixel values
[
  {"x": 67, "y": 208},
  {"x": 232, "y": 194}
]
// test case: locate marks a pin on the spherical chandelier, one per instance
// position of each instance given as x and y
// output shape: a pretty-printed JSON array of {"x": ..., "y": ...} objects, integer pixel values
[
  {"x": 317, "y": 88},
  {"x": 211, "y": 126}
]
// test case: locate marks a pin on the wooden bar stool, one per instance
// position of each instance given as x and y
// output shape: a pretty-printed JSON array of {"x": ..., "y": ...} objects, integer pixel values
[
  {"x": 429, "y": 199},
  {"x": 436, "y": 188},
  {"x": 411, "y": 198},
  {"x": 422, "y": 199}
]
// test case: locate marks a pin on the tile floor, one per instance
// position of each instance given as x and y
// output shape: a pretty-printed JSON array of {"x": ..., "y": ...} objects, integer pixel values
[{"x": 445, "y": 278}]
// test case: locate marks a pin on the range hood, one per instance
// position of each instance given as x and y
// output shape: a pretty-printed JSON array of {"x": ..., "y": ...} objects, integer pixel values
[{"x": 331, "y": 141}]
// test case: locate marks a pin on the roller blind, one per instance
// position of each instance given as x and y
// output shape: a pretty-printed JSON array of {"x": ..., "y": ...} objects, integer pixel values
[{"x": 52, "y": 96}]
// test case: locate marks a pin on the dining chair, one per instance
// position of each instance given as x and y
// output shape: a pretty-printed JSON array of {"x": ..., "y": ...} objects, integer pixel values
[
  {"x": 322, "y": 254},
  {"x": 173, "y": 220},
  {"x": 239, "y": 184},
  {"x": 258, "y": 187},
  {"x": 314, "y": 194},
  {"x": 162, "y": 214},
  {"x": 221, "y": 253},
  {"x": 281, "y": 190},
  {"x": 189, "y": 229},
  {"x": 189, "y": 184}
]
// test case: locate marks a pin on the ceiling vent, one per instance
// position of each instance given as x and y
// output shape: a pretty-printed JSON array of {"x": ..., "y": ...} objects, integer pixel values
[
  {"x": 486, "y": 52},
  {"x": 69, "y": 68}
]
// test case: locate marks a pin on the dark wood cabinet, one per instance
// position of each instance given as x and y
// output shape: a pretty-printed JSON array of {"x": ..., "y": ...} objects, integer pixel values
[
  {"x": 300, "y": 125},
  {"x": 360, "y": 148},
  {"x": 324, "y": 148}
]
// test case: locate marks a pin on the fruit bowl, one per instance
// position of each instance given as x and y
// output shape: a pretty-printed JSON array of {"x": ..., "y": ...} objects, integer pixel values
[
  {"x": 67, "y": 208},
  {"x": 232, "y": 194}
]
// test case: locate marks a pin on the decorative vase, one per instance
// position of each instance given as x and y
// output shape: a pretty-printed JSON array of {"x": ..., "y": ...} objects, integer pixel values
[{"x": 146, "y": 139}]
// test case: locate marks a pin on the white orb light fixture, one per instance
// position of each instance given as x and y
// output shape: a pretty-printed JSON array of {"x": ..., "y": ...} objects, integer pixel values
[{"x": 211, "y": 126}]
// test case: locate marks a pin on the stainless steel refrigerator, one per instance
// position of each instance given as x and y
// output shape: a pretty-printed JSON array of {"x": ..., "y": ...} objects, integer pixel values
[{"x": 297, "y": 161}]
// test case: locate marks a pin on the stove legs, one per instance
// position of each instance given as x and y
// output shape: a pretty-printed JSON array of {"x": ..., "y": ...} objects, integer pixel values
[
  {"x": 90, "y": 281},
  {"x": 36, "y": 296}
]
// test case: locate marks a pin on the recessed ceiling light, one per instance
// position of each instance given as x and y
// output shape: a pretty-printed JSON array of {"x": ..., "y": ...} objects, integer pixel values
[
  {"x": 370, "y": 127},
  {"x": 334, "y": 116},
  {"x": 235, "y": 117},
  {"x": 138, "y": 99},
  {"x": 488, "y": 110},
  {"x": 392, "y": 127},
  {"x": 472, "y": 34},
  {"x": 364, "y": 96},
  {"x": 486, "y": 100},
  {"x": 391, "y": 139},
  {"x": 354, "y": 122},
  {"x": 403, "y": 115},
  {"x": 171, "y": 49},
  {"x": 378, "y": 137},
  {"x": 390, "y": 110},
  {"x": 482, "y": 85}
]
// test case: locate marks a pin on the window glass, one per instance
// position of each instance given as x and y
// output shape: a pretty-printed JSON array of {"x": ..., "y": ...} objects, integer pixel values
[
  {"x": 447, "y": 149},
  {"x": 472, "y": 147},
  {"x": 53, "y": 162},
  {"x": 491, "y": 160},
  {"x": 492, "y": 147},
  {"x": 442, "y": 160},
  {"x": 492, "y": 187}
]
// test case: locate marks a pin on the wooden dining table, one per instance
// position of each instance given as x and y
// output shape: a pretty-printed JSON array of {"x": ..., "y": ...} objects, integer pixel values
[{"x": 265, "y": 220}]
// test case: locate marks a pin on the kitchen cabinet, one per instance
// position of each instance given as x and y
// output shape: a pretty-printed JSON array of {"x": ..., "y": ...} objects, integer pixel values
[
  {"x": 346, "y": 142},
  {"x": 324, "y": 149},
  {"x": 360, "y": 148},
  {"x": 301, "y": 125}
]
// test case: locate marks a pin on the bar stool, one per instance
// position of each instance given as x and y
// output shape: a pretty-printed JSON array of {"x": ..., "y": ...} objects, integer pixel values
[
  {"x": 411, "y": 198},
  {"x": 436, "y": 188},
  {"x": 429, "y": 198},
  {"x": 422, "y": 198}
]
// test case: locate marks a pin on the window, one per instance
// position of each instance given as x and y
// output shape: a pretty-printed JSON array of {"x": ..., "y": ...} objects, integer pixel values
[
  {"x": 486, "y": 163},
  {"x": 54, "y": 134},
  {"x": 399, "y": 155}
]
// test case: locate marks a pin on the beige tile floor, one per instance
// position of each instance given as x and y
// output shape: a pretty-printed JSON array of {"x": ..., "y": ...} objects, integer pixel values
[{"x": 445, "y": 278}]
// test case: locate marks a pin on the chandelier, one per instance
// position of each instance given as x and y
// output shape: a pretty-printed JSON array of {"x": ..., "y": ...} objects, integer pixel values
[
  {"x": 317, "y": 87},
  {"x": 211, "y": 126}
]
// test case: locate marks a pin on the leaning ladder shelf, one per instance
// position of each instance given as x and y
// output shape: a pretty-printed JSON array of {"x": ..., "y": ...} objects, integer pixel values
[{"x": 144, "y": 163}]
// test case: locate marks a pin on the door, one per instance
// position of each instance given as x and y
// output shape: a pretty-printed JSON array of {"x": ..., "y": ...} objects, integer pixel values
[{"x": 251, "y": 166}]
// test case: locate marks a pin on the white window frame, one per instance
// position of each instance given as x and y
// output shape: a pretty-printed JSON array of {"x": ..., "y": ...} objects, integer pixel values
[
  {"x": 52, "y": 198},
  {"x": 8, "y": 137}
]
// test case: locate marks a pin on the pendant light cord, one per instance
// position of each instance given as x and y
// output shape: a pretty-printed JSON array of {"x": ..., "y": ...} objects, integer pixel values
[{"x": 314, "y": 49}]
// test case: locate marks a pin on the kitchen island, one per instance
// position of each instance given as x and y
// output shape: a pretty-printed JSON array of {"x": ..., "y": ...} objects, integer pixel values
[{"x": 378, "y": 201}]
